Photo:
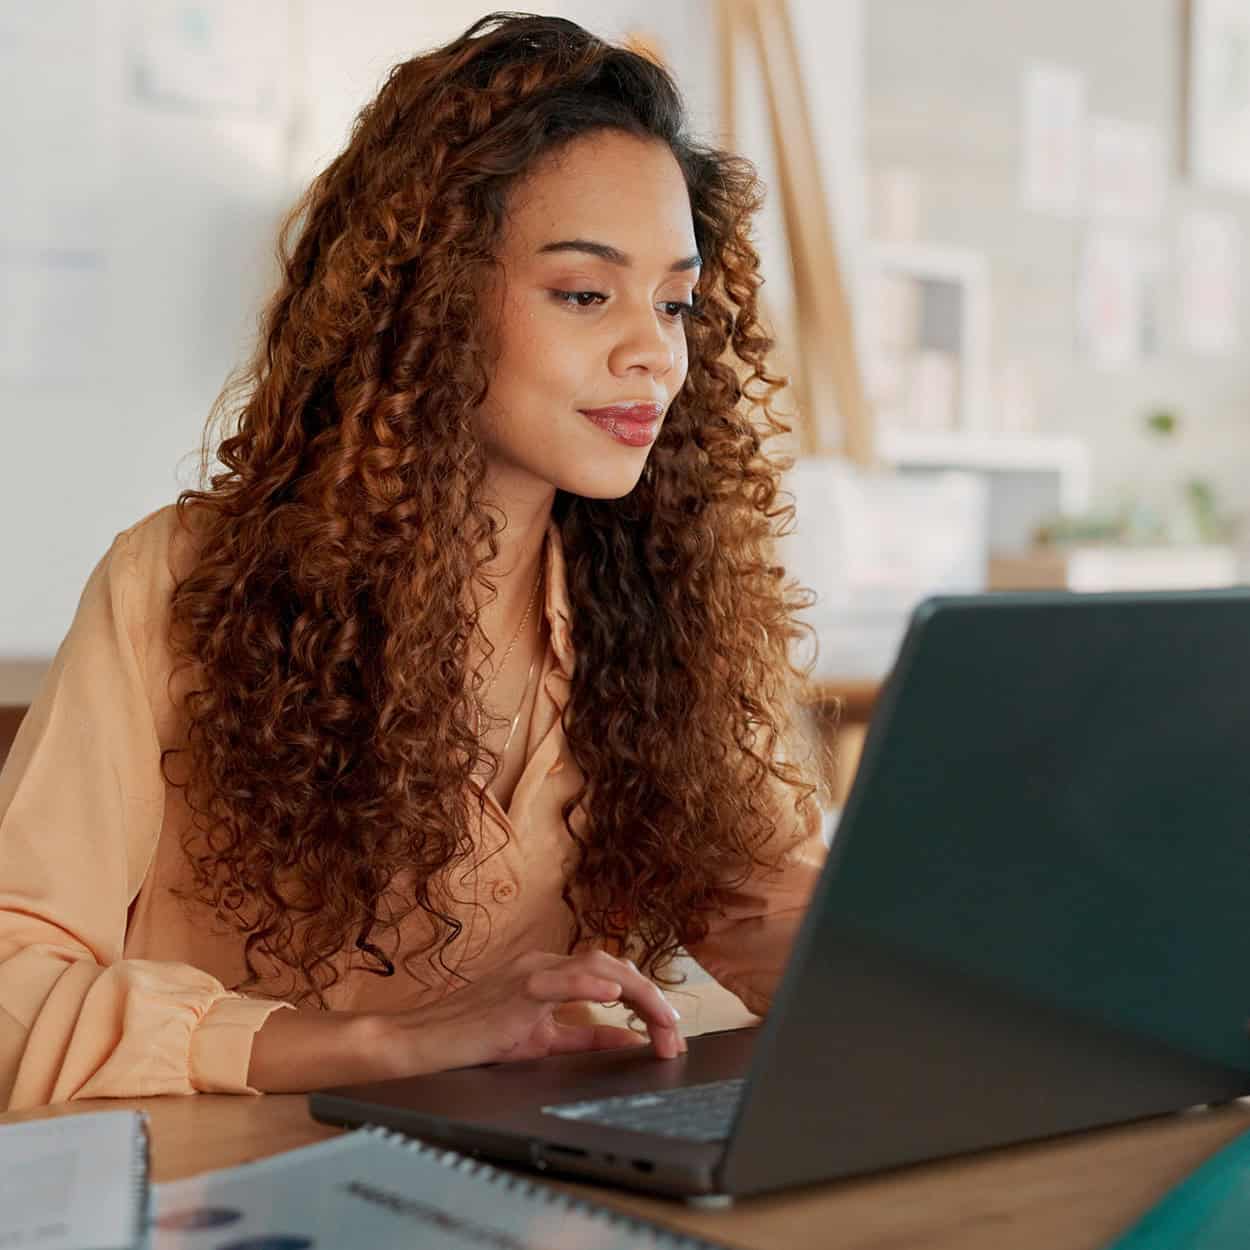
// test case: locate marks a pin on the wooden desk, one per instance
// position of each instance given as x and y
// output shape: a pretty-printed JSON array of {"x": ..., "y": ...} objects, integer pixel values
[
  {"x": 1073, "y": 1193},
  {"x": 852, "y": 702}
]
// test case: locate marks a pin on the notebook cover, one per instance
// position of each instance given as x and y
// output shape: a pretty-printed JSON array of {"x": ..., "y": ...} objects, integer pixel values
[{"x": 1209, "y": 1210}]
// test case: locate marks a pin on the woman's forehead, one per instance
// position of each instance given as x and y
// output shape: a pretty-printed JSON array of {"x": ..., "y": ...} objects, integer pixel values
[{"x": 617, "y": 190}]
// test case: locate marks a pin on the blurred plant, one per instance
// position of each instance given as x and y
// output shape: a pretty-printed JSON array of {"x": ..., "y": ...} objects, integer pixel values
[
  {"x": 1089, "y": 527},
  {"x": 1163, "y": 422},
  {"x": 1192, "y": 513},
  {"x": 1213, "y": 525}
]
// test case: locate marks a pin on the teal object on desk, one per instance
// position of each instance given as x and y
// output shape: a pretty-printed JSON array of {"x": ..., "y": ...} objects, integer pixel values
[{"x": 1209, "y": 1210}]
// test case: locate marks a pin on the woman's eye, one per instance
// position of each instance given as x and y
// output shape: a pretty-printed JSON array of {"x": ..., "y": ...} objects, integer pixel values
[
  {"x": 580, "y": 299},
  {"x": 589, "y": 299}
]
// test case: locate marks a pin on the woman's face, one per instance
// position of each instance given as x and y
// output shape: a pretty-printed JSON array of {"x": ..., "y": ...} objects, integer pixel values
[{"x": 598, "y": 265}]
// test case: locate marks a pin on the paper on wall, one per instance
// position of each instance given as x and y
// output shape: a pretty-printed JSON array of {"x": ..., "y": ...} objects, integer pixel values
[
  {"x": 1127, "y": 175},
  {"x": 211, "y": 57},
  {"x": 1209, "y": 281},
  {"x": 1053, "y": 133},
  {"x": 1117, "y": 291},
  {"x": 1218, "y": 104}
]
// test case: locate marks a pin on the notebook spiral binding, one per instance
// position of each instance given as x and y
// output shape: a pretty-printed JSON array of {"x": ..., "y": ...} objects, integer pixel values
[
  {"x": 660, "y": 1237},
  {"x": 140, "y": 1188}
]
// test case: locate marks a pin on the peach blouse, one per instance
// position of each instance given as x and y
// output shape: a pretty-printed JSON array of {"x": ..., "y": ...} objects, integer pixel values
[{"x": 112, "y": 986}]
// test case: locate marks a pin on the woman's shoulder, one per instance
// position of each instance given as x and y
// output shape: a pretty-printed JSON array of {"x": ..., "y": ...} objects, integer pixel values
[
  {"x": 162, "y": 547},
  {"x": 143, "y": 567}
]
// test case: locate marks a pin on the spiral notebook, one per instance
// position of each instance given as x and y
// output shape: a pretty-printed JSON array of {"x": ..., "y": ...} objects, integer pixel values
[
  {"x": 74, "y": 1182},
  {"x": 378, "y": 1189}
]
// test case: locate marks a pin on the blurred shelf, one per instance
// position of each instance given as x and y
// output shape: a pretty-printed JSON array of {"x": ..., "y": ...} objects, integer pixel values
[
  {"x": 1063, "y": 454},
  {"x": 1094, "y": 568}
]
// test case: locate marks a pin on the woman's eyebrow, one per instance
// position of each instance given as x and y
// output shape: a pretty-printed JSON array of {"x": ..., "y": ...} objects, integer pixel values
[{"x": 614, "y": 255}]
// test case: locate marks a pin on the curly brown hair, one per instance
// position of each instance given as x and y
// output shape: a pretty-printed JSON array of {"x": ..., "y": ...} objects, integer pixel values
[{"x": 330, "y": 739}]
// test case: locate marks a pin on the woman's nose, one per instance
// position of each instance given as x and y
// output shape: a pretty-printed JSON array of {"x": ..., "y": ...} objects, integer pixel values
[{"x": 645, "y": 347}]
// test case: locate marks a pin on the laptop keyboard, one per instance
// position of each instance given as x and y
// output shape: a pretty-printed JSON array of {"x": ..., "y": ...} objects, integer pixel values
[{"x": 700, "y": 1113}]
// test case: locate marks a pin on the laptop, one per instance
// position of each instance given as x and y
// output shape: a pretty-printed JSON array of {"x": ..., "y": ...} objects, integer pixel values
[{"x": 1034, "y": 919}]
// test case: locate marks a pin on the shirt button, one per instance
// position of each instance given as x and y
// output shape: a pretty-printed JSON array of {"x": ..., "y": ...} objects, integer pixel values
[{"x": 503, "y": 891}]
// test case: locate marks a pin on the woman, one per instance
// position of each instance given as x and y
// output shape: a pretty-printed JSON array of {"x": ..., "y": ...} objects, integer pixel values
[{"x": 452, "y": 708}]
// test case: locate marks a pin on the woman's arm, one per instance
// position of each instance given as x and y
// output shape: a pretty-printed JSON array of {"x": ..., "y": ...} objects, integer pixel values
[
  {"x": 81, "y": 806},
  {"x": 506, "y": 1016}
]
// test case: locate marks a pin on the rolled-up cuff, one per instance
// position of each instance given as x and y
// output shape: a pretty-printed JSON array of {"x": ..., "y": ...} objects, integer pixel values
[{"x": 221, "y": 1043}]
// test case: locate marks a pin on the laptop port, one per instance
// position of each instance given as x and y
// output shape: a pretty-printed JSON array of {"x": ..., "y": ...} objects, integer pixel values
[
  {"x": 551, "y": 1148},
  {"x": 644, "y": 1165}
]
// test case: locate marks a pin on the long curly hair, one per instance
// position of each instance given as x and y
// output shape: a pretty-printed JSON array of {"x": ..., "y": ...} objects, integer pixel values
[{"x": 330, "y": 741}]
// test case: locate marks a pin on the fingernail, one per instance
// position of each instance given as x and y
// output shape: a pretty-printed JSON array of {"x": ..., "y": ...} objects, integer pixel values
[{"x": 676, "y": 1013}]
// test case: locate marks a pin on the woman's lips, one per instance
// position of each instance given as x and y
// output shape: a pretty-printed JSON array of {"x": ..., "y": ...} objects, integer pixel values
[{"x": 635, "y": 425}]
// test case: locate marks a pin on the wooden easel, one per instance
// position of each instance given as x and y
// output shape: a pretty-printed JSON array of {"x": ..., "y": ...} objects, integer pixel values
[{"x": 834, "y": 417}]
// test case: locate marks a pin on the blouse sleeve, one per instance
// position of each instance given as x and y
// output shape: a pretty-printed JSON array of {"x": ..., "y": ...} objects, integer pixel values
[
  {"x": 81, "y": 807},
  {"x": 753, "y": 925}
]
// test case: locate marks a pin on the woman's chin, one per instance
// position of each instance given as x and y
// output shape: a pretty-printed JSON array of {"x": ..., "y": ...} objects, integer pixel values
[{"x": 603, "y": 485}]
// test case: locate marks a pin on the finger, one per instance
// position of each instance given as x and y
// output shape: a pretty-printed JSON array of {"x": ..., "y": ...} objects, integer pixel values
[
  {"x": 649, "y": 1003},
  {"x": 565, "y": 985},
  {"x": 570, "y": 1038},
  {"x": 610, "y": 1037}
]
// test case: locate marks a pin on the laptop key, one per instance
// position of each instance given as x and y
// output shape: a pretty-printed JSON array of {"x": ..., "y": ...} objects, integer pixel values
[{"x": 701, "y": 1113}]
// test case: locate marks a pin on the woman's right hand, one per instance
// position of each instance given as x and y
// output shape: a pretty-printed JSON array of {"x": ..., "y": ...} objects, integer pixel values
[
  {"x": 511, "y": 1015},
  {"x": 506, "y": 1016}
]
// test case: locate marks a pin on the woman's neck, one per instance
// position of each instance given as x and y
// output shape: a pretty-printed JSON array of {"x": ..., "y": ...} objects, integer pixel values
[{"x": 513, "y": 574}]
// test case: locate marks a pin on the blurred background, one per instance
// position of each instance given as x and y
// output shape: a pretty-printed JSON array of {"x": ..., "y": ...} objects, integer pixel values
[{"x": 1003, "y": 248}]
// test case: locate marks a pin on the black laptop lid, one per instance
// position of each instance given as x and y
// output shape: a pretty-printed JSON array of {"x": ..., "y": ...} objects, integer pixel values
[
  {"x": 1036, "y": 912},
  {"x": 1064, "y": 806}
]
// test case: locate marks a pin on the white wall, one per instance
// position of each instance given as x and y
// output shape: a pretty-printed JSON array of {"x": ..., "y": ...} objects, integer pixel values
[
  {"x": 184, "y": 214},
  {"x": 187, "y": 208}
]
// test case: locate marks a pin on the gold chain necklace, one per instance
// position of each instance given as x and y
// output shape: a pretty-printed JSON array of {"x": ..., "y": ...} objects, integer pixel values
[
  {"x": 499, "y": 669},
  {"x": 529, "y": 607},
  {"x": 517, "y": 717}
]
